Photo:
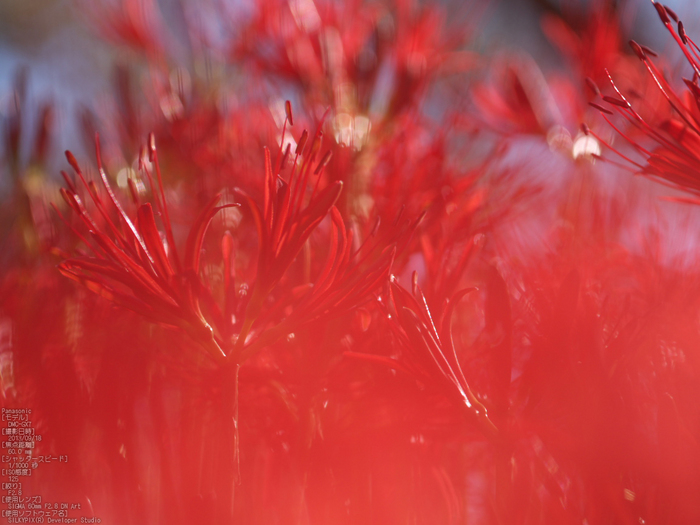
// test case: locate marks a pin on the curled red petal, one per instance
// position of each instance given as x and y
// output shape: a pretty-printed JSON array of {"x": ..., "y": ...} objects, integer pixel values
[{"x": 193, "y": 246}]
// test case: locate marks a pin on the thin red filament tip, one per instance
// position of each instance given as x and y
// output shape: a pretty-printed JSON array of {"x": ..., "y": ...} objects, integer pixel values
[
  {"x": 671, "y": 13},
  {"x": 324, "y": 162},
  {"x": 134, "y": 191},
  {"x": 663, "y": 14},
  {"x": 72, "y": 161},
  {"x": 600, "y": 108},
  {"x": 288, "y": 110},
  {"x": 592, "y": 86},
  {"x": 649, "y": 51},
  {"x": 98, "y": 151},
  {"x": 302, "y": 142},
  {"x": 151, "y": 147},
  {"x": 69, "y": 181},
  {"x": 285, "y": 157},
  {"x": 93, "y": 188},
  {"x": 637, "y": 50},
  {"x": 681, "y": 33},
  {"x": 315, "y": 144},
  {"x": 616, "y": 101}
]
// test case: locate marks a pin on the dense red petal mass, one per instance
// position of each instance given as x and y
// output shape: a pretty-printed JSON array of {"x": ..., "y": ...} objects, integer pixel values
[{"x": 339, "y": 262}]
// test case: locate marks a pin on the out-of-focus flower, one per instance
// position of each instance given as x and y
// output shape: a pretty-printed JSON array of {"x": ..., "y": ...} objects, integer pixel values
[
  {"x": 360, "y": 58},
  {"x": 26, "y": 229},
  {"x": 591, "y": 41},
  {"x": 517, "y": 98},
  {"x": 135, "y": 23}
]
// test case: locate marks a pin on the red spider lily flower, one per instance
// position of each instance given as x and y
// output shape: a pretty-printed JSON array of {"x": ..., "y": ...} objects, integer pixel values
[
  {"x": 564, "y": 391},
  {"x": 430, "y": 355},
  {"x": 347, "y": 280},
  {"x": 131, "y": 266},
  {"x": 674, "y": 159},
  {"x": 284, "y": 223}
]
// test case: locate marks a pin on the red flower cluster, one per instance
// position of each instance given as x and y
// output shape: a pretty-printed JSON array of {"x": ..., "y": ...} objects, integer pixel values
[
  {"x": 391, "y": 318},
  {"x": 675, "y": 128}
]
